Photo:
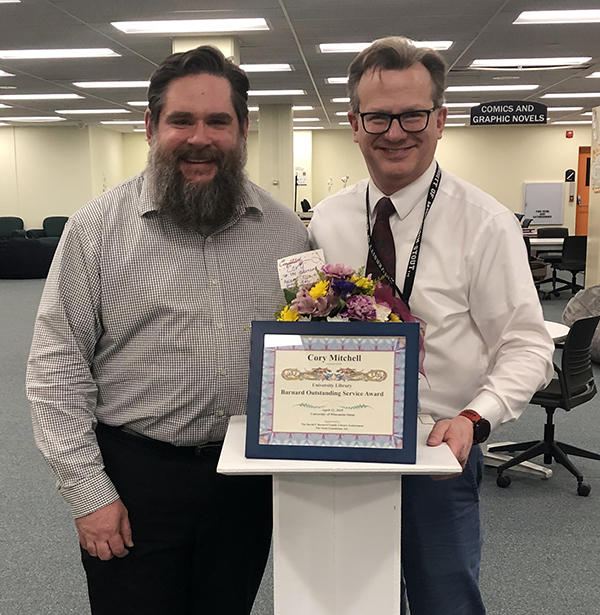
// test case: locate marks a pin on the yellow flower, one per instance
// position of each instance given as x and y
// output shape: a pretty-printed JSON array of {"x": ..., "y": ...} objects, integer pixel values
[
  {"x": 394, "y": 318},
  {"x": 319, "y": 289},
  {"x": 288, "y": 314},
  {"x": 364, "y": 283}
]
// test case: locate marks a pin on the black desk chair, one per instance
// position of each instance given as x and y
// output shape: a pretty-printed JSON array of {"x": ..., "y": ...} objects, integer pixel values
[
  {"x": 551, "y": 256},
  {"x": 573, "y": 260},
  {"x": 573, "y": 386},
  {"x": 10, "y": 227}
]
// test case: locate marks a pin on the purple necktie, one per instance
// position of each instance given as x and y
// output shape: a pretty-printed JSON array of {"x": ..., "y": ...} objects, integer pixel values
[{"x": 383, "y": 241}]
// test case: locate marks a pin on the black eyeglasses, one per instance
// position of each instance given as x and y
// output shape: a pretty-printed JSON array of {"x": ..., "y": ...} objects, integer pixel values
[{"x": 410, "y": 121}]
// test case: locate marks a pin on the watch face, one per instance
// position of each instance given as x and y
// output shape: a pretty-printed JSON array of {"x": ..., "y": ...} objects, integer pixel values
[{"x": 481, "y": 430}]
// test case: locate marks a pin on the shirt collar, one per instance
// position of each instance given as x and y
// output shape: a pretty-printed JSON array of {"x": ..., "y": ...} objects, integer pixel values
[
  {"x": 406, "y": 199},
  {"x": 146, "y": 203}
]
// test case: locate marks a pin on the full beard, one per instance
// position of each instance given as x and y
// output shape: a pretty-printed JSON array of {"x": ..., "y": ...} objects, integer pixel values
[{"x": 200, "y": 207}]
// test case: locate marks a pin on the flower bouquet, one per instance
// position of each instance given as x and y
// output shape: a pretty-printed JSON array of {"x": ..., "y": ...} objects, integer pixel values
[{"x": 341, "y": 294}]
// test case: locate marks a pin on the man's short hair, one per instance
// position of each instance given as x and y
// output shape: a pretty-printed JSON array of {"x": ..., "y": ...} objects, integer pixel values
[
  {"x": 202, "y": 60},
  {"x": 397, "y": 53}
]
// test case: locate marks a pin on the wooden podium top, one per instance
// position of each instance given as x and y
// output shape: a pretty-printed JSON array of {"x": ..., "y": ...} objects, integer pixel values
[{"x": 430, "y": 460}]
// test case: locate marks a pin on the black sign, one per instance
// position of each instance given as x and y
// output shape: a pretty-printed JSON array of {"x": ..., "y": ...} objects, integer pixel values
[
  {"x": 508, "y": 112},
  {"x": 570, "y": 175}
]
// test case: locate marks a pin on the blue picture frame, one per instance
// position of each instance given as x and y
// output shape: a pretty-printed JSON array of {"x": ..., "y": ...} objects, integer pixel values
[{"x": 398, "y": 446}]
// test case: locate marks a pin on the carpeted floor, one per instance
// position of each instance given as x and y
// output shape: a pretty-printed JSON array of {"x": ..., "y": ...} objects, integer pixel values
[{"x": 541, "y": 555}]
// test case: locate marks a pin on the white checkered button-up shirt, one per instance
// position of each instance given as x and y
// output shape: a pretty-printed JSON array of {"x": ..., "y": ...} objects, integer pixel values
[{"x": 147, "y": 325}]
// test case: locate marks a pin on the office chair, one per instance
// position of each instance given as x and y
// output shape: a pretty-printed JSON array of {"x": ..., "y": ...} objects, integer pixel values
[
  {"x": 551, "y": 256},
  {"x": 305, "y": 205},
  {"x": 573, "y": 386},
  {"x": 10, "y": 227},
  {"x": 52, "y": 230},
  {"x": 519, "y": 216},
  {"x": 526, "y": 222},
  {"x": 573, "y": 260}
]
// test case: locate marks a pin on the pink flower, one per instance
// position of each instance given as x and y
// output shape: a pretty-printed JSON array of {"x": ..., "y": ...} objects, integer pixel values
[
  {"x": 338, "y": 270},
  {"x": 303, "y": 303},
  {"x": 360, "y": 307}
]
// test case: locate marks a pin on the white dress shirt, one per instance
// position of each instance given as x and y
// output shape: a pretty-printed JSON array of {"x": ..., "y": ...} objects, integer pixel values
[{"x": 486, "y": 345}]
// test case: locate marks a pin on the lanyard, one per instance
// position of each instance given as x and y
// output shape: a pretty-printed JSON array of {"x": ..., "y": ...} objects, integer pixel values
[{"x": 411, "y": 269}]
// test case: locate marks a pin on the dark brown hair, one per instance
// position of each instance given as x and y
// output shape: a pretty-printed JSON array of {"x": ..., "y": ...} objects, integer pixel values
[
  {"x": 202, "y": 60},
  {"x": 397, "y": 53}
]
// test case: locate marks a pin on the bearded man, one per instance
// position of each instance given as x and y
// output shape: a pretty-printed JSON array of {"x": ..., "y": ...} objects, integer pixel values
[{"x": 140, "y": 356}]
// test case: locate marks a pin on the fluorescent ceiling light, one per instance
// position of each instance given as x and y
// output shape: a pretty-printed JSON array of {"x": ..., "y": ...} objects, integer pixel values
[
  {"x": 340, "y": 100},
  {"x": 124, "y": 122},
  {"x": 10, "y": 107},
  {"x": 252, "y": 108},
  {"x": 306, "y": 119},
  {"x": 561, "y": 16},
  {"x": 574, "y": 122},
  {"x": 276, "y": 92},
  {"x": 595, "y": 75},
  {"x": 138, "y": 103},
  {"x": 191, "y": 26},
  {"x": 567, "y": 95},
  {"x": 460, "y": 105},
  {"x": 358, "y": 47},
  {"x": 458, "y": 117},
  {"x": 302, "y": 108},
  {"x": 564, "y": 108},
  {"x": 529, "y": 62},
  {"x": 34, "y": 118},
  {"x": 588, "y": 113},
  {"x": 4, "y": 124},
  {"x": 340, "y": 113},
  {"x": 89, "y": 111},
  {"x": 9, "y": 1},
  {"x": 5, "y": 74},
  {"x": 344, "y": 123},
  {"x": 266, "y": 68},
  {"x": 336, "y": 80},
  {"x": 490, "y": 88},
  {"x": 139, "y": 130},
  {"x": 39, "y": 96},
  {"x": 111, "y": 84},
  {"x": 38, "y": 54},
  {"x": 308, "y": 128},
  {"x": 450, "y": 125}
]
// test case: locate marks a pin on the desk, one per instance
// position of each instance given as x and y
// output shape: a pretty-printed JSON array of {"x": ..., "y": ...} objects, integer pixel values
[
  {"x": 546, "y": 243},
  {"x": 558, "y": 332}
]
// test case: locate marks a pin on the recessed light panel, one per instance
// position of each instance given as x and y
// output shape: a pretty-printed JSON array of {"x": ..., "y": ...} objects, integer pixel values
[
  {"x": 5, "y": 74},
  {"x": 561, "y": 16},
  {"x": 490, "y": 88},
  {"x": 90, "y": 111},
  {"x": 191, "y": 26},
  {"x": 276, "y": 92},
  {"x": 529, "y": 62},
  {"x": 336, "y": 80},
  {"x": 39, "y": 96},
  {"x": 358, "y": 47},
  {"x": 34, "y": 118},
  {"x": 38, "y": 54},
  {"x": 573, "y": 95},
  {"x": 266, "y": 68},
  {"x": 111, "y": 84}
]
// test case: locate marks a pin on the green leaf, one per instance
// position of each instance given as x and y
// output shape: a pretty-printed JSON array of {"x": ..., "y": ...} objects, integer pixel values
[{"x": 289, "y": 295}]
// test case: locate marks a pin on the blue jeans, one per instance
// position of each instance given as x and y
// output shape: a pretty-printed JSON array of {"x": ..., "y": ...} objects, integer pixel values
[{"x": 441, "y": 542}]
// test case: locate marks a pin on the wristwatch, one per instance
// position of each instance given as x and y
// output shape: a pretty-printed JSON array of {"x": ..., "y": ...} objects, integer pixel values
[{"x": 481, "y": 426}]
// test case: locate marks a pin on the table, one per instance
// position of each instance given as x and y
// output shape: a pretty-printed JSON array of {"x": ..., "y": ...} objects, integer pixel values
[
  {"x": 558, "y": 332},
  {"x": 336, "y": 525}
]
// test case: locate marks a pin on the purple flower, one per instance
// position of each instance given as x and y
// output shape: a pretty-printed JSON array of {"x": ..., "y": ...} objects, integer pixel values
[
  {"x": 343, "y": 287},
  {"x": 360, "y": 307},
  {"x": 303, "y": 303},
  {"x": 338, "y": 270}
]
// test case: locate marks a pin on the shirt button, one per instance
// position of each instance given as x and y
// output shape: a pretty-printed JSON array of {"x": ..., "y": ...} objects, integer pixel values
[
  {"x": 219, "y": 325},
  {"x": 221, "y": 412},
  {"x": 223, "y": 372},
  {"x": 214, "y": 282},
  {"x": 209, "y": 240}
]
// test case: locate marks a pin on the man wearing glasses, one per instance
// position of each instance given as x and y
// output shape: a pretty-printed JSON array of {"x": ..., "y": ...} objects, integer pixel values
[{"x": 456, "y": 257}]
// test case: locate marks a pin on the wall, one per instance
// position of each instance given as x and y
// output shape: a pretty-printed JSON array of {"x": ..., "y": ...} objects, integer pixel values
[
  {"x": 106, "y": 159},
  {"x": 500, "y": 159},
  {"x": 135, "y": 153},
  {"x": 52, "y": 175},
  {"x": 303, "y": 153},
  {"x": 335, "y": 155}
]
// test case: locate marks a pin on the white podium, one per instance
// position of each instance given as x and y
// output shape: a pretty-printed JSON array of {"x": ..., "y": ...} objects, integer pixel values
[{"x": 336, "y": 525}]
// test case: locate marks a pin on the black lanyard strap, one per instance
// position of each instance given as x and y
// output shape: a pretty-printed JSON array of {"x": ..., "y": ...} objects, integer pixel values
[{"x": 411, "y": 269}]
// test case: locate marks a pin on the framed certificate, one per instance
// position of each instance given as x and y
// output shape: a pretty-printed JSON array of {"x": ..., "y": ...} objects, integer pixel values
[{"x": 344, "y": 391}]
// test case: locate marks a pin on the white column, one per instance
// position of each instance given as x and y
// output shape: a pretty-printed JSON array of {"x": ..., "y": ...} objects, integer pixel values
[
  {"x": 592, "y": 275},
  {"x": 276, "y": 152}
]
